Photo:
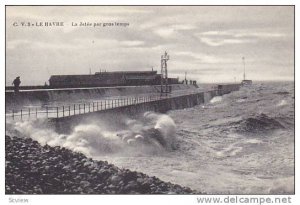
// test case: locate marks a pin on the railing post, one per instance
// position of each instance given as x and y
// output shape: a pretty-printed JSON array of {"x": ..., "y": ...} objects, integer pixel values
[
  {"x": 36, "y": 112},
  {"x": 83, "y": 107},
  {"x": 89, "y": 107},
  {"x": 69, "y": 110},
  {"x": 56, "y": 112},
  {"x": 47, "y": 112},
  {"x": 13, "y": 114},
  {"x": 79, "y": 109},
  {"x": 93, "y": 107},
  {"x": 74, "y": 109},
  {"x": 97, "y": 105},
  {"x": 21, "y": 114},
  {"x": 104, "y": 104},
  {"x": 28, "y": 112},
  {"x": 63, "y": 111}
]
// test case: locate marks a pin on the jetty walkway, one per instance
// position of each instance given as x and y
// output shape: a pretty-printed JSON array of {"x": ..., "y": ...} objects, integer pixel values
[{"x": 179, "y": 99}]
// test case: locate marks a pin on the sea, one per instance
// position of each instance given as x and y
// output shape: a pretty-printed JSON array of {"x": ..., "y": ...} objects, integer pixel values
[{"x": 239, "y": 143}]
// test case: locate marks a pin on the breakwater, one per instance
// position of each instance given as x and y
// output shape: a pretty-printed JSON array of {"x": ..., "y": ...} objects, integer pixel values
[
  {"x": 44, "y": 96},
  {"x": 161, "y": 105},
  {"x": 67, "y": 115}
]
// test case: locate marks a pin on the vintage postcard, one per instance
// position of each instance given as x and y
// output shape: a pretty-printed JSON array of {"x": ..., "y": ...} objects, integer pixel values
[{"x": 150, "y": 100}]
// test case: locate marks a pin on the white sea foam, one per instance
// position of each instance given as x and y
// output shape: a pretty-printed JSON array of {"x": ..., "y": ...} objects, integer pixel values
[
  {"x": 282, "y": 103},
  {"x": 95, "y": 138},
  {"x": 216, "y": 99}
]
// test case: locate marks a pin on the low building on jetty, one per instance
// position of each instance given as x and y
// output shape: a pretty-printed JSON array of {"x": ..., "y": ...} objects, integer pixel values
[{"x": 106, "y": 79}]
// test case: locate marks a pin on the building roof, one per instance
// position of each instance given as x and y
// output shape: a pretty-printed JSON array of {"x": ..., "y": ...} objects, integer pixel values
[
  {"x": 126, "y": 74},
  {"x": 136, "y": 77},
  {"x": 71, "y": 77}
]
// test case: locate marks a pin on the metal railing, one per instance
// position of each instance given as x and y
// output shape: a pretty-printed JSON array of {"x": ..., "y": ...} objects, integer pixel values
[
  {"x": 76, "y": 108},
  {"x": 83, "y": 108}
]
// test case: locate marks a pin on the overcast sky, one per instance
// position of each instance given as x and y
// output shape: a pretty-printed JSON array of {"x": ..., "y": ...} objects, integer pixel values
[{"x": 207, "y": 42}]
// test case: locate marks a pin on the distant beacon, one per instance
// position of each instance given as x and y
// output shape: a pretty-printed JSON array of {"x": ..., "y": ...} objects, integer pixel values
[{"x": 245, "y": 82}]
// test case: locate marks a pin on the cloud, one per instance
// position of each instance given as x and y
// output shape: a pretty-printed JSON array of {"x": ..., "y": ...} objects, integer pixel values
[
  {"x": 243, "y": 33},
  {"x": 220, "y": 42},
  {"x": 194, "y": 36},
  {"x": 132, "y": 43},
  {"x": 198, "y": 56},
  {"x": 167, "y": 31},
  {"x": 202, "y": 57},
  {"x": 259, "y": 35},
  {"x": 16, "y": 43},
  {"x": 220, "y": 38}
]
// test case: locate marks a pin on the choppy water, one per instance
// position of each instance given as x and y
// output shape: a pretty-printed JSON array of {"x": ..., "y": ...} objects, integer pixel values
[{"x": 239, "y": 143}]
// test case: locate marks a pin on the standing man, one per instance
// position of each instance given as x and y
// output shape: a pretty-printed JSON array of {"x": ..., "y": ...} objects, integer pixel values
[{"x": 16, "y": 84}]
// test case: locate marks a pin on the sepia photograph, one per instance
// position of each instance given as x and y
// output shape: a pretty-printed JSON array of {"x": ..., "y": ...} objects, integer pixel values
[{"x": 152, "y": 100}]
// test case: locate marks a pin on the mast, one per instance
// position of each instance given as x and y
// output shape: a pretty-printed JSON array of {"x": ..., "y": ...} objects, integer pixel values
[
  {"x": 244, "y": 68},
  {"x": 164, "y": 73}
]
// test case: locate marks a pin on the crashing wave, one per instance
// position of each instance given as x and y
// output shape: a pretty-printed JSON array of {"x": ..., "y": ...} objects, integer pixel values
[{"x": 149, "y": 134}]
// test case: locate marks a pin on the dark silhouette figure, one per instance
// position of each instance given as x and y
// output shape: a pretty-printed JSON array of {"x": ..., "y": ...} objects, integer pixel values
[{"x": 16, "y": 84}]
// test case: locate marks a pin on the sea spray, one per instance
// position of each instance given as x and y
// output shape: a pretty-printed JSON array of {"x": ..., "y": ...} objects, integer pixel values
[
  {"x": 150, "y": 133},
  {"x": 216, "y": 99}
]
